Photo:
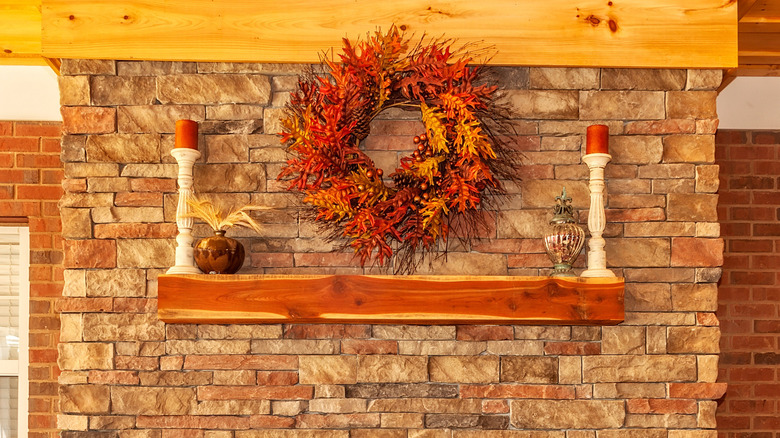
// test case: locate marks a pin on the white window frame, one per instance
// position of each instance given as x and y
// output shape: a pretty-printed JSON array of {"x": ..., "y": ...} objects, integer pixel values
[{"x": 19, "y": 368}]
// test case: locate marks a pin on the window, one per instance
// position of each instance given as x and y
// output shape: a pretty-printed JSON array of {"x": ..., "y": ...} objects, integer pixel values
[{"x": 14, "y": 317}]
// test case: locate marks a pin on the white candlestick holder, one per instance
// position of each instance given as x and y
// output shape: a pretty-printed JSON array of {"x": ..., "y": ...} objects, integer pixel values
[
  {"x": 597, "y": 257},
  {"x": 185, "y": 260}
]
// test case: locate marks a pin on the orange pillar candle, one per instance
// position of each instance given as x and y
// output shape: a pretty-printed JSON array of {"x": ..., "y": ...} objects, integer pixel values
[
  {"x": 186, "y": 134},
  {"x": 597, "y": 140}
]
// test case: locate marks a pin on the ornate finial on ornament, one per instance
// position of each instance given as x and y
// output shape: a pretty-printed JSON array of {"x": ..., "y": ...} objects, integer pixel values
[
  {"x": 596, "y": 157},
  {"x": 565, "y": 238}
]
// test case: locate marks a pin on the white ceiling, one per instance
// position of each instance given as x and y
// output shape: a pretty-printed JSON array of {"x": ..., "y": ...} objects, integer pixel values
[{"x": 31, "y": 93}]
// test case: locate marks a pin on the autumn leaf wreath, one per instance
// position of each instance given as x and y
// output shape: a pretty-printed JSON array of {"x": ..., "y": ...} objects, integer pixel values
[{"x": 445, "y": 185}]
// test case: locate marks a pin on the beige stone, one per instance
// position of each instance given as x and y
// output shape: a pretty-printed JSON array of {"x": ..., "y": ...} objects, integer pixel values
[
  {"x": 84, "y": 399},
  {"x": 514, "y": 224},
  {"x": 232, "y": 407},
  {"x": 109, "y": 184},
  {"x": 116, "y": 283},
  {"x": 241, "y": 377},
  {"x": 74, "y": 90},
  {"x": 296, "y": 346},
  {"x": 87, "y": 67},
  {"x": 706, "y": 415},
  {"x": 689, "y": 149},
  {"x": 123, "y": 326},
  {"x": 210, "y": 89},
  {"x": 699, "y": 79},
  {"x": 529, "y": 369},
  {"x": 150, "y": 170},
  {"x": 693, "y": 340},
  {"x": 570, "y": 143},
  {"x": 75, "y": 283},
  {"x": 338, "y": 405},
  {"x": 653, "y": 318},
  {"x": 118, "y": 90},
  {"x": 515, "y": 348},
  {"x": 239, "y": 331},
  {"x": 459, "y": 263},
  {"x": 328, "y": 369},
  {"x": 499, "y": 434},
  {"x": 72, "y": 422},
  {"x": 124, "y": 148},
  {"x": 155, "y": 119},
  {"x": 85, "y": 356},
  {"x": 426, "y": 405},
  {"x": 693, "y": 434},
  {"x": 691, "y": 104},
  {"x": 204, "y": 346},
  {"x": 178, "y": 378},
  {"x": 85, "y": 170},
  {"x": 635, "y": 149},
  {"x": 708, "y": 368},
  {"x": 622, "y": 340},
  {"x": 440, "y": 348},
  {"x": 569, "y": 370},
  {"x": 541, "y": 104},
  {"x": 656, "y": 340},
  {"x": 383, "y": 368},
  {"x": 564, "y": 78},
  {"x": 629, "y": 390},
  {"x": 707, "y": 178},
  {"x": 632, "y": 433},
  {"x": 101, "y": 215},
  {"x": 695, "y": 297},
  {"x": 621, "y": 105},
  {"x": 145, "y": 253},
  {"x": 329, "y": 391},
  {"x": 659, "y": 229},
  {"x": 229, "y": 178},
  {"x": 272, "y": 120},
  {"x": 541, "y": 193},
  {"x": 567, "y": 414},
  {"x": 464, "y": 369},
  {"x": 551, "y": 333},
  {"x": 637, "y": 368},
  {"x": 641, "y": 253},
  {"x": 152, "y": 401},
  {"x": 227, "y": 148},
  {"x": 648, "y": 297},
  {"x": 71, "y": 327},
  {"x": 707, "y": 229},
  {"x": 76, "y": 223},
  {"x": 650, "y": 275},
  {"x": 414, "y": 332},
  {"x": 660, "y": 420},
  {"x": 642, "y": 79},
  {"x": 667, "y": 171},
  {"x": 288, "y": 408},
  {"x": 692, "y": 207},
  {"x": 234, "y": 112}
]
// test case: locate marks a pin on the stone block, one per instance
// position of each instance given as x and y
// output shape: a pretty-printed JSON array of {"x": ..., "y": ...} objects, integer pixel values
[
  {"x": 642, "y": 297},
  {"x": 629, "y": 390},
  {"x": 691, "y": 433},
  {"x": 402, "y": 421},
  {"x": 72, "y": 148},
  {"x": 529, "y": 369},
  {"x": 697, "y": 252},
  {"x": 74, "y": 90},
  {"x": 84, "y": 399},
  {"x": 90, "y": 254},
  {"x": 88, "y": 120},
  {"x": 708, "y": 368},
  {"x": 693, "y": 340},
  {"x": 272, "y": 123},
  {"x": 650, "y": 275},
  {"x": 76, "y": 223},
  {"x": 622, "y": 340},
  {"x": 519, "y": 224},
  {"x": 632, "y": 433},
  {"x": 392, "y": 368},
  {"x": 103, "y": 215},
  {"x": 328, "y": 369},
  {"x": 695, "y": 297},
  {"x": 564, "y": 78},
  {"x": 179, "y": 378},
  {"x": 212, "y": 89},
  {"x": 145, "y": 253},
  {"x": 541, "y": 104},
  {"x": 569, "y": 370},
  {"x": 75, "y": 283},
  {"x": 636, "y": 149},
  {"x": 232, "y": 111},
  {"x": 541, "y": 193},
  {"x": 691, "y": 104},
  {"x": 71, "y": 327},
  {"x": 642, "y": 79},
  {"x": 515, "y": 348},
  {"x": 656, "y": 340},
  {"x": 440, "y": 348},
  {"x": 87, "y": 67},
  {"x": 118, "y": 90},
  {"x": 156, "y": 119},
  {"x": 72, "y": 422},
  {"x": 414, "y": 332},
  {"x": 400, "y": 390},
  {"x": 116, "y": 283},
  {"x": 169, "y": 171},
  {"x": 295, "y": 346},
  {"x": 124, "y": 148},
  {"x": 699, "y": 79},
  {"x": 206, "y": 346},
  {"x": 689, "y": 149},
  {"x": 123, "y": 326},
  {"x": 426, "y": 405},
  {"x": 85, "y": 356},
  {"x": 152, "y": 401},
  {"x": 288, "y": 408},
  {"x": 638, "y": 368},
  {"x": 154, "y": 68},
  {"x": 667, "y": 171},
  {"x": 567, "y": 414},
  {"x": 622, "y": 105},
  {"x": 221, "y": 178},
  {"x": 239, "y": 331},
  {"x": 464, "y": 369},
  {"x": 707, "y": 178},
  {"x": 640, "y": 253},
  {"x": 338, "y": 405},
  {"x": 84, "y": 170},
  {"x": 659, "y": 229},
  {"x": 227, "y": 148},
  {"x": 460, "y": 263},
  {"x": 698, "y": 207}
]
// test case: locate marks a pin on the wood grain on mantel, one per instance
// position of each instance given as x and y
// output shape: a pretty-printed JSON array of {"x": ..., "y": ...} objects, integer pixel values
[{"x": 225, "y": 299}]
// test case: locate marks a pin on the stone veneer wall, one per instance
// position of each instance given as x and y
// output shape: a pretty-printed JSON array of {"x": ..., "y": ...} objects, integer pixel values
[
  {"x": 125, "y": 374},
  {"x": 30, "y": 178},
  {"x": 749, "y": 310}
]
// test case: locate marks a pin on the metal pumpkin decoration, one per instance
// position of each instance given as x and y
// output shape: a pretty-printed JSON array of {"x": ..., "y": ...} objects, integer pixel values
[{"x": 564, "y": 240}]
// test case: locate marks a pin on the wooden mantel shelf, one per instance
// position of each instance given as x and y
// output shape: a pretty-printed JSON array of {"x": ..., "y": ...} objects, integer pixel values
[{"x": 225, "y": 299}]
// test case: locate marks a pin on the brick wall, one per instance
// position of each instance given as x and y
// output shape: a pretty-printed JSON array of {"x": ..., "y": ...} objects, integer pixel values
[
  {"x": 749, "y": 300},
  {"x": 30, "y": 186},
  {"x": 127, "y": 375}
]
